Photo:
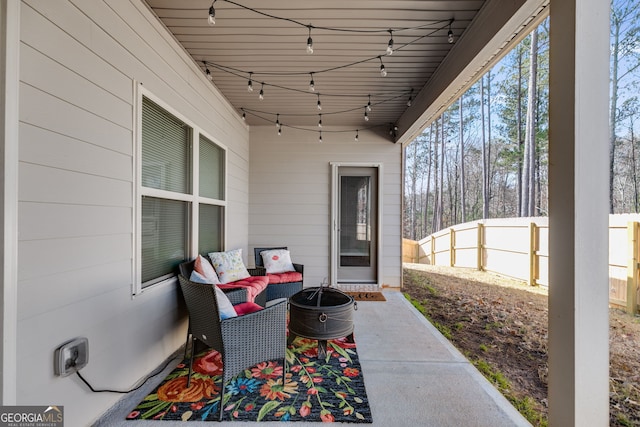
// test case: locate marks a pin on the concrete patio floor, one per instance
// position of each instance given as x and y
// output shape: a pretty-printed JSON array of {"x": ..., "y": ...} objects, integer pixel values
[{"x": 413, "y": 376}]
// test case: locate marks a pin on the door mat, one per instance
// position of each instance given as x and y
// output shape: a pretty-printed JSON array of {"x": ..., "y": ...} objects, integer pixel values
[{"x": 366, "y": 295}]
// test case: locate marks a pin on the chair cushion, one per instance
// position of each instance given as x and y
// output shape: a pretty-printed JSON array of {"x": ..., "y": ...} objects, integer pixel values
[
  {"x": 246, "y": 308},
  {"x": 205, "y": 269},
  {"x": 253, "y": 284},
  {"x": 288, "y": 277},
  {"x": 277, "y": 261},
  {"x": 229, "y": 265}
]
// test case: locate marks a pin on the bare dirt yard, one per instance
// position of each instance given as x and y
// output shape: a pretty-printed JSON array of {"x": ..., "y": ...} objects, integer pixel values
[{"x": 501, "y": 326}]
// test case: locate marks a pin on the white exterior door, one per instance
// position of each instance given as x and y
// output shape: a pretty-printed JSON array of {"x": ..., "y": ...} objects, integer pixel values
[{"x": 355, "y": 237}]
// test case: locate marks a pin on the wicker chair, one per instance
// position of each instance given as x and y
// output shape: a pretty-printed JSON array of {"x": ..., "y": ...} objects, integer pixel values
[
  {"x": 235, "y": 295},
  {"x": 242, "y": 341},
  {"x": 277, "y": 289}
]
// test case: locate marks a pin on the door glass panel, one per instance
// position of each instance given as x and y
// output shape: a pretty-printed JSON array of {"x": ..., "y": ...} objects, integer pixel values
[{"x": 355, "y": 221}]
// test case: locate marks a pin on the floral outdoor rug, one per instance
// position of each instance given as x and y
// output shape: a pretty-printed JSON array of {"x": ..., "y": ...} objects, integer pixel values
[{"x": 328, "y": 390}]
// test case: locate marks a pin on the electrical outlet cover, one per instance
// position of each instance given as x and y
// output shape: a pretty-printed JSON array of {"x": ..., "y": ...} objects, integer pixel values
[{"x": 71, "y": 356}]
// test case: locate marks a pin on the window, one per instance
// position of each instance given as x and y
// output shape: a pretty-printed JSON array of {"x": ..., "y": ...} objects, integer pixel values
[{"x": 181, "y": 194}]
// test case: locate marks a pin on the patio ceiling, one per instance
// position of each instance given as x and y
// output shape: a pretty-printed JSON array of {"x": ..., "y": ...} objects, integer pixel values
[{"x": 269, "y": 38}]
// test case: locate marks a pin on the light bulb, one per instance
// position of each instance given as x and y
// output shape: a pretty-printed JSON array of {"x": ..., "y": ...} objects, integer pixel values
[
  {"x": 450, "y": 36},
  {"x": 279, "y": 131},
  {"x": 366, "y": 116},
  {"x": 312, "y": 84},
  {"x": 278, "y": 121},
  {"x": 320, "y": 139},
  {"x": 409, "y": 101},
  {"x": 249, "y": 85},
  {"x": 261, "y": 94},
  {"x": 369, "y": 104},
  {"x": 309, "y": 45},
  {"x": 244, "y": 116},
  {"x": 209, "y": 75},
  {"x": 319, "y": 103},
  {"x": 390, "y": 45},
  {"x": 320, "y": 121},
  {"x": 383, "y": 71},
  {"x": 212, "y": 16},
  {"x": 356, "y": 136}
]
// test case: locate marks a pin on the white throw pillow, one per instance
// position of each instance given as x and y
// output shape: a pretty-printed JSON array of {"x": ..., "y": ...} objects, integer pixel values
[
  {"x": 205, "y": 269},
  {"x": 229, "y": 265},
  {"x": 277, "y": 261},
  {"x": 225, "y": 308}
]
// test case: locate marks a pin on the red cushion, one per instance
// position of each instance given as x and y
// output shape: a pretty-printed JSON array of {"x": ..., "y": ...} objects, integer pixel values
[
  {"x": 288, "y": 277},
  {"x": 253, "y": 284},
  {"x": 246, "y": 308}
]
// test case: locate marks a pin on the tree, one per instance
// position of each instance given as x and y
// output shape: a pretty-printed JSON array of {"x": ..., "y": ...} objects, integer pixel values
[
  {"x": 528, "y": 168},
  {"x": 463, "y": 211},
  {"x": 625, "y": 32}
]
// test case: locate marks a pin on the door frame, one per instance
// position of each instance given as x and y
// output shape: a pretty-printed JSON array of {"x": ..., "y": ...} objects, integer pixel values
[{"x": 335, "y": 242}]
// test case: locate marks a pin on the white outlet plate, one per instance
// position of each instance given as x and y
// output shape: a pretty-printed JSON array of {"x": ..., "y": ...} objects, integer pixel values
[{"x": 71, "y": 356}]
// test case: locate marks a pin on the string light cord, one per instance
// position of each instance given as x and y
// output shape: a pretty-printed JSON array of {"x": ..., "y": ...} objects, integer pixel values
[
  {"x": 325, "y": 70},
  {"x": 124, "y": 391},
  {"x": 337, "y": 29},
  {"x": 308, "y": 129},
  {"x": 373, "y": 104}
]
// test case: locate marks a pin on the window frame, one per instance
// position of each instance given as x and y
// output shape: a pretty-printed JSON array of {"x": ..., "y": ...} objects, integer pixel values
[{"x": 194, "y": 200}]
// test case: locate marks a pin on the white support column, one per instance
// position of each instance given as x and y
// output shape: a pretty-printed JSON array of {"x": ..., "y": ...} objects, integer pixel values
[
  {"x": 9, "y": 81},
  {"x": 578, "y": 219}
]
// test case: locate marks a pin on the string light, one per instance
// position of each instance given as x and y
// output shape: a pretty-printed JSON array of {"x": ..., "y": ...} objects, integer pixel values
[
  {"x": 244, "y": 115},
  {"x": 278, "y": 121},
  {"x": 207, "y": 71},
  {"x": 250, "y": 84},
  {"x": 280, "y": 131},
  {"x": 369, "y": 104},
  {"x": 357, "y": 135},
  {"x": 319, "y": 104},
  {"x": 212, "y": 15},
  {"x": 320, "y": 139},
  {"x": 390, "y": 45},
  {"x": 366, "y": 116},
  {"x": 312, "y": 84},
  {"x": 309, "y": 42},
  {"x": 320, "y": 121},
  {"x": 410, "y": 98},
  {"x": 450, "y": 33},
  {"x": 261, "y": 94},
  {"x": 383, "y": 71}
]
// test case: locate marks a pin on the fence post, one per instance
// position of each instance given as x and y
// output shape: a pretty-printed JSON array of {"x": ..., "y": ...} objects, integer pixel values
[
  {"x": 632, "y": 267},
  {"x": 533, "y": 254},
  {"x": 433, "y": 250},
  {"x": 452, "y": 247},
  {"x": 480, "y": 246}
]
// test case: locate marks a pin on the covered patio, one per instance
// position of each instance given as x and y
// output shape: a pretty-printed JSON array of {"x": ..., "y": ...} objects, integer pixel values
[{"x": 75, "y": 75}]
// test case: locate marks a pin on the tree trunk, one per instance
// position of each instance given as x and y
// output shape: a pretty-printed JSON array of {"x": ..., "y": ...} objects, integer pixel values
[
  {"x": 463, "y": 211},
  {"x": 441, "y": 185},
  {"x": 429, "y": 162},
  {"x": 528, "y": 168},
  {"x": 613, "y": 112},
  {"x": 519, "y": 138},
  {"x": 485, "y": 173},
  {"x": 436, "y": 197}
]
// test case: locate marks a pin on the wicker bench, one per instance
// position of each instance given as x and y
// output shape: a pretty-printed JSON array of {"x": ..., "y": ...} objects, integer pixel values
[{"x": 280, "y": 285}]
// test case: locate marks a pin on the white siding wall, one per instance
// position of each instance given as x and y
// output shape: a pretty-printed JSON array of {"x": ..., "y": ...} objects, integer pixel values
[
  {"x": 290, "y": 187},
  {"x": 79, "y": 60}
]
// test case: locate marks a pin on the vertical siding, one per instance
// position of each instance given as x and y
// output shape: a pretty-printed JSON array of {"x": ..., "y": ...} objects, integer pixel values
[
  {"x": 290, "y": 188},
  {"x": 79, "y": 60}
]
